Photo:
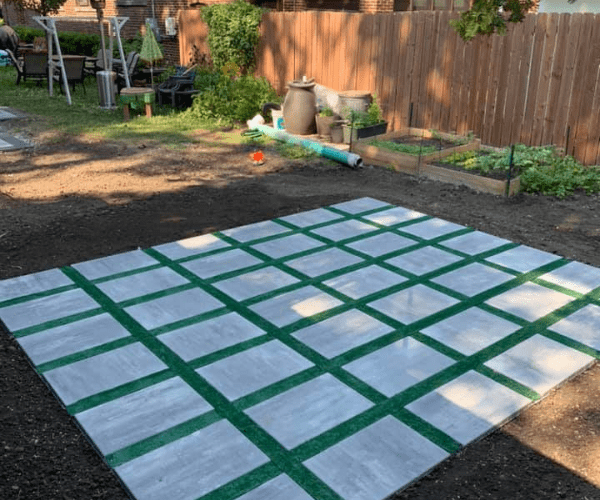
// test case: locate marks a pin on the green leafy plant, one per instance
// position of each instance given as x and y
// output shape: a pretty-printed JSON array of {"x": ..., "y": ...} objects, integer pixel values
[
  {"x": 326, "y": 111},
  {"x": 486, "y": 17},
  {"x": 409, "y": 149},
  {"x": 362, "y": 119},
  {"x": 71, "y": 42},
  {"x": 233, "y": 33},
  {"x": 294, "y": 151},
  {"x": 542, "y": 169},
  {"x": 228, "y": 99}
]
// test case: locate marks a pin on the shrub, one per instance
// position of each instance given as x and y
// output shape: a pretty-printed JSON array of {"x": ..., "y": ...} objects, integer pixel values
[
  {"x": 71, "y": 42},
  {"x": 233, "y": 33},
  {"x": 228, "y": 99}
]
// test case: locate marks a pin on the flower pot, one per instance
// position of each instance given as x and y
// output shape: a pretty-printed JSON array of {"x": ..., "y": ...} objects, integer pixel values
[
  {"x": 324, "y": 125},
  {"x": 336, "y": 132},
  {"x": 354, "y": 134},
  {"x": 299, "y": 108}
]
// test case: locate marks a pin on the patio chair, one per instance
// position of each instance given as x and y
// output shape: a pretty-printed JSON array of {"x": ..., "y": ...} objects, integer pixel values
[
  {"x": 132, "y": 61},
  {"x": 35, "y": 66},
  {"x": 179, "y": 89},
  {"x": 16, "y": 63},
  {"x": 74, "y": 67}
]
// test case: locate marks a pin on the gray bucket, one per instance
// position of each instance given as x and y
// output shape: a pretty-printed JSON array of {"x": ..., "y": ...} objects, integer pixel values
[{"x": 356, "y": 100}]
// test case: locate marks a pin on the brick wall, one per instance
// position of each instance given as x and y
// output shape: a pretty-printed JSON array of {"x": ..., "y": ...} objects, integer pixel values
[{"x": 136, "y": 10}]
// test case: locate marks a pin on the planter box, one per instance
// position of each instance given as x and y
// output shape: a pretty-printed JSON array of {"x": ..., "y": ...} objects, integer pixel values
[
  {"x": 415, "y": 165},
  {"x": 356, "y": 134}
]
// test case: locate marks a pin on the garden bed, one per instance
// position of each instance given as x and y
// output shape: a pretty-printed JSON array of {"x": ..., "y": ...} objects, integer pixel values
[{"x": 420, "y": 152}]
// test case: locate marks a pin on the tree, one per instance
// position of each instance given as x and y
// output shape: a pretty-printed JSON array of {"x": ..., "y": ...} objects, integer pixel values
[
  {"x": 42, "y": 7},
  {"x": 486, "y": 17}
]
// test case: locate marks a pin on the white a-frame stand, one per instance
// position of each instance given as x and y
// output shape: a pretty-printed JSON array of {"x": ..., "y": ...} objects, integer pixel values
[{"x": 49, "y": 25}]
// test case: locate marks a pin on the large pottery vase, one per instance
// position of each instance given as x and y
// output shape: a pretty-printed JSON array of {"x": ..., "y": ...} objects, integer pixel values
[{"x": 299, "y": 108}]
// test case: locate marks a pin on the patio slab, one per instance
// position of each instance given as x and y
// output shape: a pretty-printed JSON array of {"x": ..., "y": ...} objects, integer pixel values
[{"x": 338, "y": 353}]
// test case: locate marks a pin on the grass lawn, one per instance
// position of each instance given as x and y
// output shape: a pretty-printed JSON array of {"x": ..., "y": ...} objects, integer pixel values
[{"x": 85, "y": 117}]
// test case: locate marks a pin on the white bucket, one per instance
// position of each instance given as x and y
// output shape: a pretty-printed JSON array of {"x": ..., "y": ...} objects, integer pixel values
[{"x": 277, "y": 115}]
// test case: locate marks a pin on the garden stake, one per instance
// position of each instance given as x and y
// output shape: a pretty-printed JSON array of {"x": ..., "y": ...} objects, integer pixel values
[
  {"x": 567, "y": 141},
  {"x": 410, "y": 110},
  {"x": 509, "y": 173}
]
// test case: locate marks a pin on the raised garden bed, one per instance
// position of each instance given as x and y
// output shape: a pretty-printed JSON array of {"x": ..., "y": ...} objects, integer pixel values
[{"x": 419, "y": 152}]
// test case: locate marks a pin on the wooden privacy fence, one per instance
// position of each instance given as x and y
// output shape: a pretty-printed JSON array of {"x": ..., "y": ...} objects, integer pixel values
[{"x": 537, "y": 85}]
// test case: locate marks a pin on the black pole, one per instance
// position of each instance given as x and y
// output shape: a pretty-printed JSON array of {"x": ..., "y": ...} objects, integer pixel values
[
  {"x": 509, "y": 173},
  {"x": 410, "y": 114}
]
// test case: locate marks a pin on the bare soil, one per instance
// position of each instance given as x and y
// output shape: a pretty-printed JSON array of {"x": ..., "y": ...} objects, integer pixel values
[{"x": 73, "y": 199}]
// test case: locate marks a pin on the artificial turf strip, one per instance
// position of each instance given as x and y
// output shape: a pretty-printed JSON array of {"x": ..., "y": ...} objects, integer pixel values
[{"x": 281, "y": 459}]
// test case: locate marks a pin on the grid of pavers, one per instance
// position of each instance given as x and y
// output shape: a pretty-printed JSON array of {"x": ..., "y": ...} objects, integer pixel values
[{"x": 338, "y": 353}]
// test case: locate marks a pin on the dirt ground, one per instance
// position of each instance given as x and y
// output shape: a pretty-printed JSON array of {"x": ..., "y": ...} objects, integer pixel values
[{"x": 72, "y": 200}]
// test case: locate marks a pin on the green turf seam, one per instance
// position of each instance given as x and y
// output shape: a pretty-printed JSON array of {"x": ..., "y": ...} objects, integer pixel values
[{"x": 37, "y": 295}]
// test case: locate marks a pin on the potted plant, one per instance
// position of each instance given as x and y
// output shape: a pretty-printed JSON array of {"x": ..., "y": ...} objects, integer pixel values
[
  {"x": 365, "y": 124},
  {"x": 325, "y": 117},
  {"x": 336, "y": 131}
]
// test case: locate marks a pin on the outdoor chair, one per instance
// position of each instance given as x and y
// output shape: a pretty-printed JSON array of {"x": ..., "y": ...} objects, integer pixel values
[
  {"x": 16, "y": 63},
  {"x": 132, "y": 61},
  {"x": 179, "y": 89},
  {"x": 35, "y": 66},
  {"x": 74, "y": 67}
]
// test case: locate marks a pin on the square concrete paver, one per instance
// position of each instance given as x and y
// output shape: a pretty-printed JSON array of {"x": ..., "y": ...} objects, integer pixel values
[
  {"x": 294, "y": 306},
  {"x": 473, "y": 279},
  {"x": 344, "y": 230},
  {"x": 308, "y": 410},
  {"x": 139, "y": 415},
  {"x": 582, "y": 326},
  {"x": 468, "y": 406},
  {"x": 376, "y": 461},
  {"x": 471, "y": 331},
  {"x": 474, "y": 243},
  {"x": 342, "y": 332},
  {"x": 529, "y": 301},
  {"x": 251, "y": 370},
  {"x": 396, "y": 367},
  {"x": 522, "y": 258},
  {"x": 393, "y": 216},
  {"x": 323, "y": 262},
  {"x": 287, "y": 245},
  {"x": 365, "y": 281},
  {"x": 539, "y": 363},
  {"x": 413, "y": 304},
  {"x": 220, "y": 451},
  {"x": 205, "y": 337},
  {"x": 423, "y": 260},
  {"x": 191, "y": 246},
  {"x": 575, "y": 276},
  {"x": 381, "y": 244},
  {"x": 261, "y": 362}
]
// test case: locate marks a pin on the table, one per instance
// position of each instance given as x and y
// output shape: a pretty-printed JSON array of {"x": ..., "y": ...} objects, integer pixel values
[{"x": 132, "y": 95}]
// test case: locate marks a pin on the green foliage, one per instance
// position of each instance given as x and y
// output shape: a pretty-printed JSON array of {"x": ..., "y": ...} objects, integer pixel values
[
  {"x": 230, "y": 99},
  {"x": 409, "y": 149},
  {"x": 542, "y": 169},
  {"x": 486, "y": 18},
  {"x": 233, "y": 33},
  {"x": 294, "y": 151},
  {"x": 42, "y": 7},
  {"x": 326, "y": 111},
  {"x": 362, "y": 119},
  {"x": 71, "y": 42}
]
